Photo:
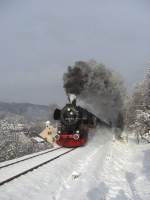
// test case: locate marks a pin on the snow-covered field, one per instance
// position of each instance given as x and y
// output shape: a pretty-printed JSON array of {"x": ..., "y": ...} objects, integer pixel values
[{"x": 102, "y": 170}]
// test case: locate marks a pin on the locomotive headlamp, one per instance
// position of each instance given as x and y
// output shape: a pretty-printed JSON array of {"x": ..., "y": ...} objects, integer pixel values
[
  {"x": 76, "y": 136},
  {"x": 68, "y": 109},
  {"x": 59, "y": 131},
  {"x": 77, "y": 131},
  {"x": 71, "y": 113}
]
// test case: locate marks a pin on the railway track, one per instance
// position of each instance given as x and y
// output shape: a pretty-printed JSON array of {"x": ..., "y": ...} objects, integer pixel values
[
  {"x": 6, "y": 178},
  {"x": 13, "y": 163}
]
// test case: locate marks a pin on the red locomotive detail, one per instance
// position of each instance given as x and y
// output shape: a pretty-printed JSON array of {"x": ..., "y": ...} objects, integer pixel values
[{"x": 74, "y": 125}]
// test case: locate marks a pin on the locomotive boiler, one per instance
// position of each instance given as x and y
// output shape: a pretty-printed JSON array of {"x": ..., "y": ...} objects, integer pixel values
[{"x": 74, "y": 124}]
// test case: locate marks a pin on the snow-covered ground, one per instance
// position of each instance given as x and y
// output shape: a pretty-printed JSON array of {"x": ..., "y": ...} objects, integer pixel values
[
  {"x": 13, "y": 170},
  {"x": 24, "y": 157},
  {"x": 102, "y": 170}
]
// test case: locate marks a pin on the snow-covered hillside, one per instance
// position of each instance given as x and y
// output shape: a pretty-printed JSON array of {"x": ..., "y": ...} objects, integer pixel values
[{"x": 102, "y": 170}]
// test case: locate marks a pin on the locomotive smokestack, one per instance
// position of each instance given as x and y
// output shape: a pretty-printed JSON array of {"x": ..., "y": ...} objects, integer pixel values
[{"x": 72, "y": 99}]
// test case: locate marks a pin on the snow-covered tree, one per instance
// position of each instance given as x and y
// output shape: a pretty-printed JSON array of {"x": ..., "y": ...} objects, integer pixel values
[
  {"x": 14, "y": 142},
  {"x": 138, "y": 109}
]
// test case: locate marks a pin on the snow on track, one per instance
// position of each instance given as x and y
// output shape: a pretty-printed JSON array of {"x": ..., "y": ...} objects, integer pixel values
[
  {"x": 14, "y": 170},
  {"x": 125, "y": 174},
  {"x": 23, "y": 157},
  {"x": 16, "y": 161},
  {"x": 50, "y": 180},
  {"x": 102, "y": 170},
  {"x": 115, "y": 171}
]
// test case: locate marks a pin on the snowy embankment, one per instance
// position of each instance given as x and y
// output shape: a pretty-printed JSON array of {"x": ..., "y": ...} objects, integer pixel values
[
  {"x": 22, "y": 158},
  {"x": 102, "y": 170},
  {"x": 115, "y": 171},
  {"x": 25, "y": 165}
]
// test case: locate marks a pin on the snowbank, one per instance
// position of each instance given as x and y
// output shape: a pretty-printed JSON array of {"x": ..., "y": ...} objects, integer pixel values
[{"x": 103, "y": 169}]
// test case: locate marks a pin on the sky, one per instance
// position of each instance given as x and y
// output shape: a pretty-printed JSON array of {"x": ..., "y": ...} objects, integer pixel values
[{"x": 39, "y": 39}]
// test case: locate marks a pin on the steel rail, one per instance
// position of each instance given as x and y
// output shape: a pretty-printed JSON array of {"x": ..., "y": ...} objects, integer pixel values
[
  {"x": 7, "y": 165},
  {"x": 35, "y": 167}
]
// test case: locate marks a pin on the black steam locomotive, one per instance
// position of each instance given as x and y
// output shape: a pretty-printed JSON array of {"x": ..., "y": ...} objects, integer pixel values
[{"x": 75, "y": 122}]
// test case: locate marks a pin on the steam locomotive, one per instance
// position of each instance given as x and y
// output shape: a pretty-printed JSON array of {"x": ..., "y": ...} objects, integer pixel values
[{"x": 75, "y": 123}]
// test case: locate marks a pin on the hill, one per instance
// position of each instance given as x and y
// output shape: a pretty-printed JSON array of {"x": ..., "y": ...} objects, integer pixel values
[{"x": 28, "y": 111}]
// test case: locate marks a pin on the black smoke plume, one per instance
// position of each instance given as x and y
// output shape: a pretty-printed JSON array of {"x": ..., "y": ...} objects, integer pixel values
[{"x": 98, "y": 88}]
